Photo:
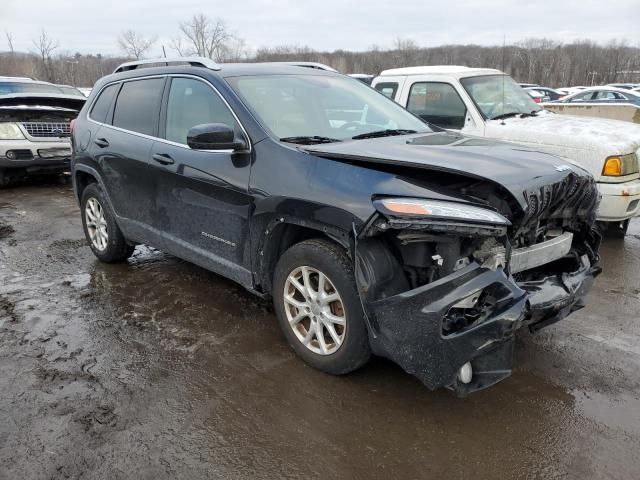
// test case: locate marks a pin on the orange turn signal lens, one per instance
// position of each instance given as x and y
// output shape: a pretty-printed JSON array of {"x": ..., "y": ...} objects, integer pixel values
[
  {"x": 406, "y": 208},
  {"x": 612, "y": 167}
]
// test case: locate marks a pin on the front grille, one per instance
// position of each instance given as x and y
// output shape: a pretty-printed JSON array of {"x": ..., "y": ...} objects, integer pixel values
[{"x": 48, "y": 130}]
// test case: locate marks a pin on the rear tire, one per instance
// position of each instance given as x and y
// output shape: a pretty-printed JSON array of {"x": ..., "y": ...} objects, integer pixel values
[
  {"x": 100, "y": 228},
  {"x": 4, "y": 180},
  {"x": 325, "y": 325}
]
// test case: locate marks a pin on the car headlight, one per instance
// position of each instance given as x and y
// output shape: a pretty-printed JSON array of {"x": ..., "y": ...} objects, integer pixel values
[
  {"x": 10, "y": 131},
  {"x": 438, "y": 210},
  {"x": 620, "y": 165}
]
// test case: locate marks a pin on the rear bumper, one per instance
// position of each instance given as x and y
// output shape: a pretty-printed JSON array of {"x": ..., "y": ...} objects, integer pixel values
[
  {"x": 407, "y": 328},
  {"x": 620, "y": 201}
]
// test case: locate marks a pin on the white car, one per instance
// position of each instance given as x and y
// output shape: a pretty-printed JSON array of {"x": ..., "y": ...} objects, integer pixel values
[{"x": 488, "y": 103}]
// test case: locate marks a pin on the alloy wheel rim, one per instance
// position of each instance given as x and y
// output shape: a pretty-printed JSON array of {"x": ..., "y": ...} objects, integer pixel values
[
  {"x": 96, "y": 224},
  {"x": 314, "y": 310}
]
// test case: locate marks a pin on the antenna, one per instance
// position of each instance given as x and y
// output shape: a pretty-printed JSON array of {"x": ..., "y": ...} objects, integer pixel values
[{"x": 504, "y": 47}]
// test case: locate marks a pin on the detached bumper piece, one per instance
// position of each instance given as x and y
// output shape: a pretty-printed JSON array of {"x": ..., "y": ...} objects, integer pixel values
[{"x": 470, "y": 317}]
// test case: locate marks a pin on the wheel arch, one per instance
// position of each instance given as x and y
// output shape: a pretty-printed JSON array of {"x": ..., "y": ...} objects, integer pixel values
[{"x": 281, "y": 234}]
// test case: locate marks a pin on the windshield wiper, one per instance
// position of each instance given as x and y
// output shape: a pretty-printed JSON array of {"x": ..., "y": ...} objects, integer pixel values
[
  {"x": 309, "y": 140},
  {"x": 532, "y": 113},
  {"x": 505, "y": 115},
  {"x": 383, "y": 133}
]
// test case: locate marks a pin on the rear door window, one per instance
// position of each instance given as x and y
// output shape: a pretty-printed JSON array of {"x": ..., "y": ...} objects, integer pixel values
[
  {"x": 138, "y": 106},
  {"x": 102, "y": 105},
  {"x": 437, "y": 103},
  {"x": 388, "y": 89},
  {"x": 192, "y": 102}
]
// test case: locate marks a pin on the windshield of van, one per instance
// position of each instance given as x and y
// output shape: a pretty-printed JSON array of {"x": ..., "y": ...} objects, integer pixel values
[
  {"x": 499, "y": 96},
  {"x": 322, "y": 109}
]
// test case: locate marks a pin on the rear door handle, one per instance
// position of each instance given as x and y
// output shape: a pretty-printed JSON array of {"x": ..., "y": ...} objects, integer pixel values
[
  {"x": 101, "y": 142},
  {"x": 163, "y": 158}
]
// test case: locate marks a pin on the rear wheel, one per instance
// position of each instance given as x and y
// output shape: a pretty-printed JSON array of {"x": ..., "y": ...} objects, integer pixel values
[
  {"x": 318, "y": 307},
  {"x": 4, "y": 180},
  {"x": 100, "y": 228}
]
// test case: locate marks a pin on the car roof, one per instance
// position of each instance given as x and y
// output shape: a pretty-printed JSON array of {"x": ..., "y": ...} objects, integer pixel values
[
  {"x": 608, "y": 88},
  {"x": 451, "y": 70}
]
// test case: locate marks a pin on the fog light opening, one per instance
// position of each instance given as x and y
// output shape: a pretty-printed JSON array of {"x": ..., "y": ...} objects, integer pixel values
[{"x": 465, "y": 374}]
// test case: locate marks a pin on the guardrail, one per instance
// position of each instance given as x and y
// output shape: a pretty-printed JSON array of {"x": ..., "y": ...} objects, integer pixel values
[{"x": 626, "y": 112}]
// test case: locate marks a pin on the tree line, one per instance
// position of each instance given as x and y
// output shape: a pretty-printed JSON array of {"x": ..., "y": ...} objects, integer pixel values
[{"x": 535, "y": 60}]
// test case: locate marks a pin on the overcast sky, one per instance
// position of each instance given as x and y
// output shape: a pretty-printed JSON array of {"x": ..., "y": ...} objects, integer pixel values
[{"x": 92, "y": 26}]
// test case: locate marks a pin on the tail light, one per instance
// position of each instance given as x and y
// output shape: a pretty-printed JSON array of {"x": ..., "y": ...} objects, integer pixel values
[{"x": 536, "y": 99}]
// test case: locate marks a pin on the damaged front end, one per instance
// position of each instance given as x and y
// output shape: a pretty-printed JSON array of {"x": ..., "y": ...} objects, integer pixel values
[{"x": 446, "y": 285}]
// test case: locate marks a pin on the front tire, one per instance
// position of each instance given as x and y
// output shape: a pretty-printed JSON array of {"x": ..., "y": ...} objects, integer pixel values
[
  {"x": 100, "y": 228},
  {"x": 318, "y": 307}
]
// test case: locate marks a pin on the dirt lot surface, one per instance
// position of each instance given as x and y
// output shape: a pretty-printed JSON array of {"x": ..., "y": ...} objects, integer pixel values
[{"x": 158, "y": 369}]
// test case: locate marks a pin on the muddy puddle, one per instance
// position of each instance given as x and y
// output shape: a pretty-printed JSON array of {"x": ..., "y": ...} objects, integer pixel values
[{"x": 159, "y": 369}]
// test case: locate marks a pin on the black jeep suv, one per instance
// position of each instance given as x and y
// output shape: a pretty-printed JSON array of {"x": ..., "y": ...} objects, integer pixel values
[{"x": 372, "y": 231}]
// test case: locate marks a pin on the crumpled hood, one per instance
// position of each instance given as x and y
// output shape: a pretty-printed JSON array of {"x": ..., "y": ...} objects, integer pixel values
[
  {"x": 586, "y": 140},
  {"x": 516, "y": 168}
]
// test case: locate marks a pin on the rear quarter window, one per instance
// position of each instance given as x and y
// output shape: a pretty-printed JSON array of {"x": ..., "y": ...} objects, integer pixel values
[
  {"x": 102, "y": 104},
  {"x": 138, "y": 106}
]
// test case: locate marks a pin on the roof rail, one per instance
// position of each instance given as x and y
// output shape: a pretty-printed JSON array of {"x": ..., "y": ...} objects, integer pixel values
[
  {"x": 193, "y": 61},
  {"x": 316, "y": 65}
]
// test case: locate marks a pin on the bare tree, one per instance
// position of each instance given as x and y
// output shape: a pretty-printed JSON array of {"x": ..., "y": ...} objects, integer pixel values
[
  {"x": 135, "y": 44},
  {"x": 45, "y": 46},
  {"x": 204, "y": 37},
  {"x": 9, "y": 36}
]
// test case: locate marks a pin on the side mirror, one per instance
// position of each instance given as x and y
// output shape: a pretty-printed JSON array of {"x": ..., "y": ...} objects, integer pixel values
[{"x": 214, "y": 136}]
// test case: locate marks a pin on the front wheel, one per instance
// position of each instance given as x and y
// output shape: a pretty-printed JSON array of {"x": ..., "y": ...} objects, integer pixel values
[
  {"x": 318, "y": 307},
  {"x": 100, "y": 227},
  {"x": 618, "y": 229}
]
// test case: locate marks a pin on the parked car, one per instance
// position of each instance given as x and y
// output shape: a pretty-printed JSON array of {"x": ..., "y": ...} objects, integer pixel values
[
  {"x": 569, "y": 90},
  {"x": 488, "y": 103},
  {"x": 528, "y": 85},
  {"x": 624, "y": 86},
  {"x": 549, "y": 93},
  {"x": 536, "y": 95},
  {"x": 26, "y": 85},
  {"x": 603, "y": 95},
  {"x": 34, "y": 128},
  {"x": 371, "y": 231}
]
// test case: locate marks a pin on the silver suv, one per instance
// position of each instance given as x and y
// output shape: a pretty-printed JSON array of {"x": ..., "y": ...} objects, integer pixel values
[{"x": 35, "y": 125}]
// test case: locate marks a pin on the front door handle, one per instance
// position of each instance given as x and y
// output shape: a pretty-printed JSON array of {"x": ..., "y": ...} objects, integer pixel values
[
  {"x": 163, "y": 158},
  {"x": 101, "y": 142}
]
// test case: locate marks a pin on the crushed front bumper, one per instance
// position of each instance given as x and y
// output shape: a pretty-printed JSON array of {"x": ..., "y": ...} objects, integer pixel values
[{"x": 407, "y": 328}]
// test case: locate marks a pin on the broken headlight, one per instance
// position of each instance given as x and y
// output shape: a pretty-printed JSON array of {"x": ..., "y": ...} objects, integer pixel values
[
  {"x": 438, "y": 210},
  {"x": 10, "y": 131}
]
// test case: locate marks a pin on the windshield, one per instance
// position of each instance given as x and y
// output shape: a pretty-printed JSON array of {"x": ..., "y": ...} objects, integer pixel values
[
  {"x": 27, "y": 87},
  {"x": 323, "y": 108},
  {"x": 70, "y": 91},
  {"x": 499, "y": 96}
]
